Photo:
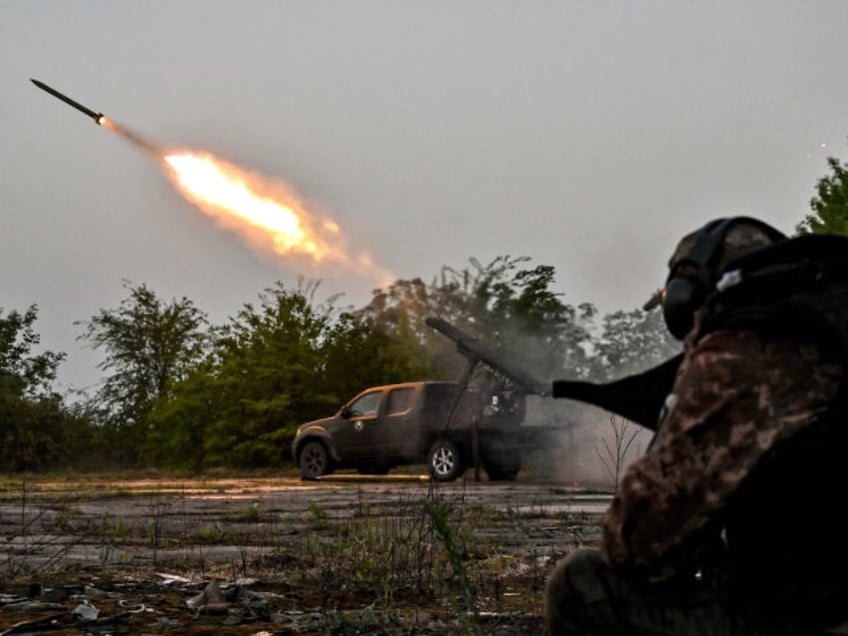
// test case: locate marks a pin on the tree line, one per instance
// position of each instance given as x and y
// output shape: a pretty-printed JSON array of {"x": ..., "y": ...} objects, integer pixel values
[{"x": 183, "y": 394}]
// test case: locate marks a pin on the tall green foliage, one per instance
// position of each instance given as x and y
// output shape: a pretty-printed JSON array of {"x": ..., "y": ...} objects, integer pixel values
[
  {"x": 830, "y": 205},
  {"x": 360, "y": 352},
  {"x": 26, "y": 372},
  {"x": 399, "y": 312},
  {"x": 506, "y": 303},
  {"x": 239, "y": 407},
  {"x": 36, "y": 431},
  {"x": 268, "y": 358},
  {"x": 149, "y": 345}
]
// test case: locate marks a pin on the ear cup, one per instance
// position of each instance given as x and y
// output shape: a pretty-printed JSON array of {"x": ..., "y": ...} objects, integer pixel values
[
  {"x": 681, "y": 298},
  {"x": 688, "y": 281}
]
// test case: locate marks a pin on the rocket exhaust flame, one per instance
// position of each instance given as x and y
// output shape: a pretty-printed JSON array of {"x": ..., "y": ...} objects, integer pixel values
[{"x": 263, "y": 211}]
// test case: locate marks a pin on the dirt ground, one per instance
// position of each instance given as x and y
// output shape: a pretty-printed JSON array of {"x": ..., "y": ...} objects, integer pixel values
[{"x": 343, "y": 555}]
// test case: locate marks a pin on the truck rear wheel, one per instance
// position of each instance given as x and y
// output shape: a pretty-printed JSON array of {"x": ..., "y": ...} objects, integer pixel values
[
  {"x": 502, "y": 465},
  {"x": 444, "y": 461},
  {"x": 501, "y": 473}
]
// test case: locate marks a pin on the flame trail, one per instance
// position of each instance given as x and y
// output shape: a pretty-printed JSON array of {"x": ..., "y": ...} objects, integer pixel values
[{"x": 265, "y": 212}]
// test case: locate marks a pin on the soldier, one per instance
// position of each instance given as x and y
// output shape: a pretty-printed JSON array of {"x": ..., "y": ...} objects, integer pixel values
[{"x": 731, "y": 522}]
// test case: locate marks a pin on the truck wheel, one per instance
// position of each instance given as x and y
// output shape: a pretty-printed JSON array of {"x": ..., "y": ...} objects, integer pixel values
[
  {"x": 444, "y": 461},
  {"x": 503, "y": 465},
  {"x": 499, "y": 473},
  {"x": 314, "y": 460}
]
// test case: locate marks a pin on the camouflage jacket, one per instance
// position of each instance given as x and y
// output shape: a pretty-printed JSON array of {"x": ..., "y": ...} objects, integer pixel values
[{"x": 738, "y": 398}]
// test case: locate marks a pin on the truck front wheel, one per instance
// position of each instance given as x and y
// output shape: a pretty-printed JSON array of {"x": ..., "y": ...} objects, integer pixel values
[
  {"x": 444, "y": 461},
  {"x": 314, "y": 460}
]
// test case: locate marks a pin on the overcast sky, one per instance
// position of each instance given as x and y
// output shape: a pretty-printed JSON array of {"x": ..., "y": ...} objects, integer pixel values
[{"x": 588, "y": 136}]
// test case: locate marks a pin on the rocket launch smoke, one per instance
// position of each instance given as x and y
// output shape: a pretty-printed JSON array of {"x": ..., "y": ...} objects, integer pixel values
[{"x": 136, "y": 139}]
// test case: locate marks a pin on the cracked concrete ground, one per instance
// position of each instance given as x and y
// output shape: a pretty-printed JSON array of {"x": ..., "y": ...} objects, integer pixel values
[{"x": 281, "y": 534}]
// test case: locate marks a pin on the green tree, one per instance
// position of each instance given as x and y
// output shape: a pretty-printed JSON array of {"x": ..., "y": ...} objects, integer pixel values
[
  {"x": 531, "y": 324},
  {"x": 149, "y": 345},
  {"x": 32, "y": 375},
  {"x": 34, "y": 431},
  {"x": 360, "y": 351},
  {"x": 178, "y": 423},
  {"x": 830, "y": 205},
  {"x": 399, "y": 312},
  {"x": 511, "y": 307},
  {"x": 269, "y": 359},
  {"x": 264, "y": 376},
  {"x": 505, "y": 304}
]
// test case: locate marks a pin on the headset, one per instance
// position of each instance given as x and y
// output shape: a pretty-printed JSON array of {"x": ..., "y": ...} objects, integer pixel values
[{"x": 685, "y": 293}]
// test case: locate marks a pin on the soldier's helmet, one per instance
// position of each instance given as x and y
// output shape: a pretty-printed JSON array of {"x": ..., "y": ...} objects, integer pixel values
[{"x": 700, "y": 259}]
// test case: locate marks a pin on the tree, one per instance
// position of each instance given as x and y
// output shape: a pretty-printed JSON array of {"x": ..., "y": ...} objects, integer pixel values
[
  {"x": 830, "y": 206},
  {"x": 30, "y": 375},
  {"x": 149, "y": 346},
  {"x": 631, "y": 341},
  {"x": 399, "y": 313},
  {"x": 504, "y": 303},
  {"x": 34, "y": 431},
  {"x": 533, "y": 326},
  {"x": 264, "y": 375},
  {"x": 269, "y": 359},
  {"x": 360, "y": 351}
]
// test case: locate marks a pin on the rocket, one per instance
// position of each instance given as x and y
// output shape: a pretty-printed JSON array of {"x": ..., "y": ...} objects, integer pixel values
[
  {"x": 100, "y": 120},
  {"x": 97, "y": 117}
]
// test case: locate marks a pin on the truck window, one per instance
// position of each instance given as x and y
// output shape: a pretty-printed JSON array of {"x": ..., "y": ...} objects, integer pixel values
[
  {"x": 400, "y": 400},
  {"x": 366, "y": 405}
]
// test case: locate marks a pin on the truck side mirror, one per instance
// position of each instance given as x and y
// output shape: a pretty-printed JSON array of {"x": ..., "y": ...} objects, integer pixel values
[{"x": 346, "y": 412}]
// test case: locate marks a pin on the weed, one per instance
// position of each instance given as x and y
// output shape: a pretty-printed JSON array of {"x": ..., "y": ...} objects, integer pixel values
[
  {"x": 250, "y": 514},
  {"x": 317, "y": 514},
  {"x": 210, "y": 534},
  {"x": 466, "y": 603}
]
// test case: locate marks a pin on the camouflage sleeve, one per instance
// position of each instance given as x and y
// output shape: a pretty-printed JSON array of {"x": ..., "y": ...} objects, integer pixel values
[{"x": 735, "y": 397}]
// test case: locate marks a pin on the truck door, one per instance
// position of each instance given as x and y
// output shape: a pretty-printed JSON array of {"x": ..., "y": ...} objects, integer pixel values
[
  {"x": 391, "y": 433},
  {"x": 354, "y": 439},
  {"x": 398, "y": 424}
]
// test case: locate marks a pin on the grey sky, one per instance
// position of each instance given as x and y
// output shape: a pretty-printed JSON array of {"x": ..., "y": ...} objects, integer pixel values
[{"x": 586, "y": 135}]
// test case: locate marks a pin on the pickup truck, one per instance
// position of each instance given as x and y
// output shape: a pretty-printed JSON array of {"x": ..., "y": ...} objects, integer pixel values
[
  {"x": 436, "y": 423},
  {"x": 450, "y": 426}
]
